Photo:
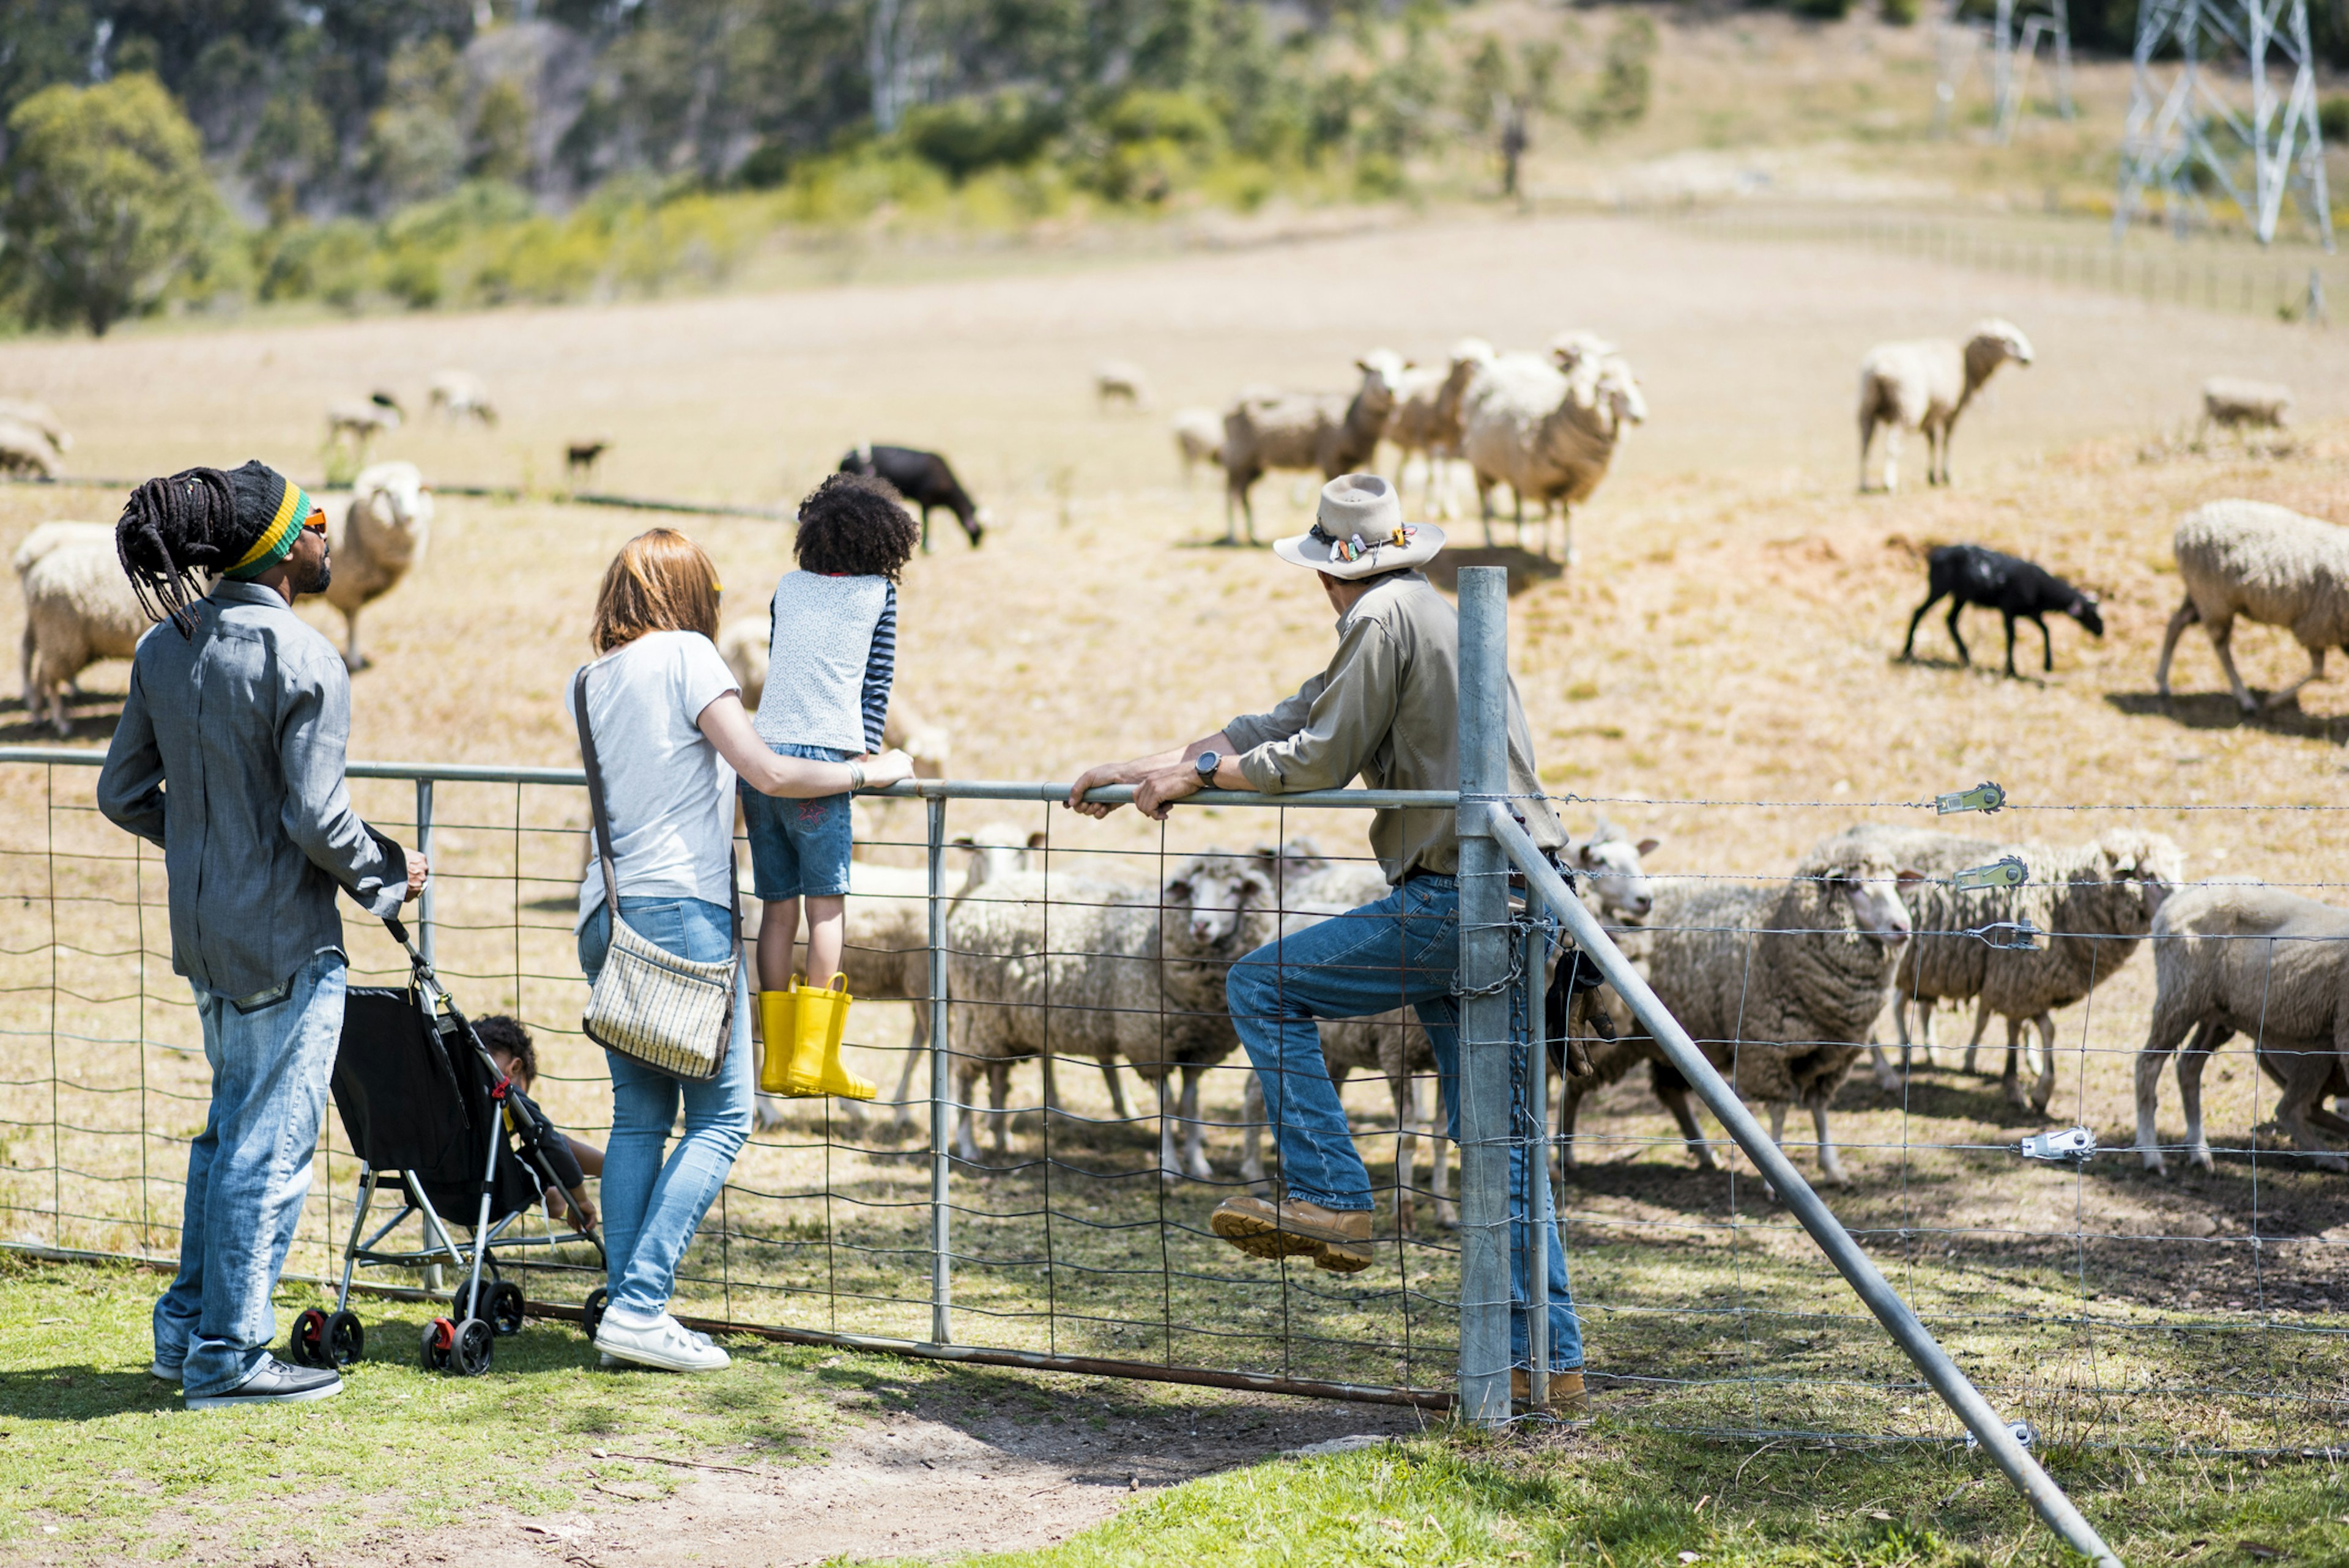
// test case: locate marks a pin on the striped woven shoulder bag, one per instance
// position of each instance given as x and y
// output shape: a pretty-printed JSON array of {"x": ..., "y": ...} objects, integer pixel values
[{"x": 674, "y": 1014}]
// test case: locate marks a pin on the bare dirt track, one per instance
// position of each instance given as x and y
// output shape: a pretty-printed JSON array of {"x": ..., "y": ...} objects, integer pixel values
[{"x": 1727, "y": 636}]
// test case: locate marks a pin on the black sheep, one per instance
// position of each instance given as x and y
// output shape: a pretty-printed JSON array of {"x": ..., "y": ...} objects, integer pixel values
[
  {"x": 1969, "y": 574},
  {"x": 924, "y": 479}
]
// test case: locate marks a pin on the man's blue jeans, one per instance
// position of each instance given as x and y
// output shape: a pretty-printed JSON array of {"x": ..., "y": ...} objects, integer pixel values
[
  {"x": 1403, "y": 949},
  {"x": 652, "y": 1205},
  {"x": 248, "y": 1172}
]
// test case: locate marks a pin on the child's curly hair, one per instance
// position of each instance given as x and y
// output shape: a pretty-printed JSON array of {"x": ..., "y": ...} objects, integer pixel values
[
  {"x": 854, "y": 526},
  {"x": 499, "y": 1033}
]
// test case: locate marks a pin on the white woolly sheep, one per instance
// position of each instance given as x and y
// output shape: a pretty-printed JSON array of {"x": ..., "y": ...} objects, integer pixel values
[
  {"x": 1115, "y": 381},
  {"x": 381, "y": 540},
  {"x": 2234, "y": 404},
  {"x": 26, "y": 451},
  {"x": 458, "y": 395},
  {"x": 1549, "y": 429},
  {"x": 80, "y": 608},
  {"x": 39, "y": 416},
  {"x": 2239, "y": 958},
  {"x": 2266, "y": 563},
  {"x": 1426, "y": 418},
  {"x": 1940, "y": 963},
  {"x": 1924, "y": 385},
  {"x": 1198, "y": 439},
  {"x": 743, "y": 643},
  {"x": 1330, "y": 432},
  {"x": 1780, "y": 986},
  {"x": 356, "y": 422}
]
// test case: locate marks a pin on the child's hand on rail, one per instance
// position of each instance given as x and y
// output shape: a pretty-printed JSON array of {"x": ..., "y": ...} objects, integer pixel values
[{"x": 885, "y": 767}]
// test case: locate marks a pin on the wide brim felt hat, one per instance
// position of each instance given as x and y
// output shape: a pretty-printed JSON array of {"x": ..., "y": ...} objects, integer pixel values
[{"x": 1359, "y": 531}]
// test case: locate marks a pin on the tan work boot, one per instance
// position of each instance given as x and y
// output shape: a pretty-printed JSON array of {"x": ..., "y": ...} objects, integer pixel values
[
  {"x": 1338, "y": 1240},
  {"x": 1567, "y": 1395}
]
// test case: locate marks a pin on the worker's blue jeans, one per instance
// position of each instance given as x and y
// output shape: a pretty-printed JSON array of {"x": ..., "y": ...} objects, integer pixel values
[
  {"x": 1403, "y": 950},
  {"x": 654, "y": 1196},
  {"x": 248, "y": 1172}
]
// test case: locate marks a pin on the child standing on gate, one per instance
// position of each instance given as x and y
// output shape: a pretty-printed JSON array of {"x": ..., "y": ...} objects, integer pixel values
[{"x": 832, "y": 652}]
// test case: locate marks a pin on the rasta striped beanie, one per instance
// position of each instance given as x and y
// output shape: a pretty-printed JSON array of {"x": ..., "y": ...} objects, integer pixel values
[{"x": 236, "y": 524}]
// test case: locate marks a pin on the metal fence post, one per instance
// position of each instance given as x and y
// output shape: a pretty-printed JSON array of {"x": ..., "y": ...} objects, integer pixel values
[
  {"x": 941, "y": 1076},
  {"x": 1485, "y": 1120},
  {"x": 424, "y": 848},
  {"x": 1536, "y": 1166}
]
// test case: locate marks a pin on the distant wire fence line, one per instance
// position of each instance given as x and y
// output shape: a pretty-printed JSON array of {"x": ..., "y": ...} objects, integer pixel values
[
  {"x": 491, "y": 493},
  {"x": 2237, "y": 280},
  {"x": 2208, "y": 1313}
]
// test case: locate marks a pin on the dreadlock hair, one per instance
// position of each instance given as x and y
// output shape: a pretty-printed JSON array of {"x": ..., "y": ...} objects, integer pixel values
[{"x": 197, "y": 521}]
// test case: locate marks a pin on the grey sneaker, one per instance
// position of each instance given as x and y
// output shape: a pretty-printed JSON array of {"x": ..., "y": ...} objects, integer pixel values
[
  {"x": 164, "y": 1371},
  {"x": 275, "y": 1382}
]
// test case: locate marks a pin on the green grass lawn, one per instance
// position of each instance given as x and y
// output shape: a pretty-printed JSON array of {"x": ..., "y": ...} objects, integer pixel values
[{"x": 99, "y": 1463}]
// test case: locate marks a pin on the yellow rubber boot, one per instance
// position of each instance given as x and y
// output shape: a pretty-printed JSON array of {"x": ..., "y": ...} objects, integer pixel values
[
  {"x": 778, "y": 1027},
  {"x": 802, "y": 1050},
  {"x": 815, "y": 1063}
]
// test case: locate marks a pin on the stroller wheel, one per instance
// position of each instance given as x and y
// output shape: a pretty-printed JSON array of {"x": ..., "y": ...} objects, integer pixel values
[
  {"x": 591, "y": 1314},
  {"x": 505, "y": 1307},
  {"x": 345, "y": 1341},
  {"x": 476, "y": 1341},
  {"x": 440, "y": 1341},
  {"x": 308, "y": 1346}
]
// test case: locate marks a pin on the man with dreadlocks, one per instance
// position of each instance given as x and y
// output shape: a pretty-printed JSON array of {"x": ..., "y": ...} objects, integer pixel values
[{"x": 230, "y": 756}]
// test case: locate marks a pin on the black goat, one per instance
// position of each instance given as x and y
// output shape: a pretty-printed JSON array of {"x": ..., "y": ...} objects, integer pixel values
[
  {"x": 925, "y": 480},
  {"x": 1969, "y": 574}
]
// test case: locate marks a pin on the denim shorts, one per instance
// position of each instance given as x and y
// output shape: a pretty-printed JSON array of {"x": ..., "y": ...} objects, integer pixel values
[{"x": 799, "y": 849}]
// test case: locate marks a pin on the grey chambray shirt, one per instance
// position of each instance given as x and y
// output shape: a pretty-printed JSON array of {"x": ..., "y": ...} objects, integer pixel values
[
  {"x": 230, "y": 756},
  {"x": 1388, "y": 709}
]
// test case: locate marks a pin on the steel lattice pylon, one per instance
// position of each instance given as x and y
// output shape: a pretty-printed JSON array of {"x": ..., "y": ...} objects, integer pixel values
[{"x": 2196, "y": 127}]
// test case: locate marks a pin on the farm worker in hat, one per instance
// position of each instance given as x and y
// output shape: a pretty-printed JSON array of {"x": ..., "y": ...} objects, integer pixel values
[
  {"x": 229, "y": 755},
  {"x": 1387, "y": 710}
]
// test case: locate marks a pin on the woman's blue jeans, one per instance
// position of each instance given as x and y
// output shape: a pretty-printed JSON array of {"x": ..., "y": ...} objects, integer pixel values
[
  {"x": 1403, "y": 950},
  {"x": 652, "y": 1205}
]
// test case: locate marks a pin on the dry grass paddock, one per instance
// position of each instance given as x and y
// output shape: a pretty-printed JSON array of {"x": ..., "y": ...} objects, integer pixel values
[{"x": 1728, "y": 635}]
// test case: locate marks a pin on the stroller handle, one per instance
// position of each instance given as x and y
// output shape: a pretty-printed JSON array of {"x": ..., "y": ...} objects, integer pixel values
[{"x": 398, "y": 928}]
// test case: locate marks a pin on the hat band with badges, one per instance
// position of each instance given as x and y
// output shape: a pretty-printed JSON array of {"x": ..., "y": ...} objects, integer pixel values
[{"x": 1359, "y": 531}]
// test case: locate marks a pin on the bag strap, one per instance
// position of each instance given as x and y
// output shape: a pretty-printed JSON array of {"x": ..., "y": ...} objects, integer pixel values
[
  {"x": 602, "y": 818},
  {"x": 604, "y": 821}
]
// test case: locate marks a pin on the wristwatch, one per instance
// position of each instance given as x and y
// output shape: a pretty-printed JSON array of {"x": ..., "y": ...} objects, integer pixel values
[{"x": 1207, "y": 763}]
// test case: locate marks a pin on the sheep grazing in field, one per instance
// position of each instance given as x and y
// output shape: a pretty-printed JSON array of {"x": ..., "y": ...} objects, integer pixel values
[
  {"x": 1116, "y": 382},
  {"x": 458, "y": 395},
  {"x": 2239, "y": 958},
  {"x": 580, "y": 458},
  {"x": 381, "y": 540},
  {"x": 2266, "y": 563},
  {"x": 1969, "y": 574},
  {"x": 39, "y": 416},
  {"x": 2233, "y": 403},
  {"x": 925, "y": 483},
  {"x": 1198, "y": 439},
  {"x": 1924, "y": 385},
  {"x": 26, "y": 452},
  {"x": 743, "y": 643},
  {"x": 1780, "y": 986},
  {"x": 78, "y": 609},
  {"x": 1549, "y": 429},
  {"x": 1426, "y": 418},
  {"x": 357, "y": 422},
  {"x": 1331, "y": 433}
]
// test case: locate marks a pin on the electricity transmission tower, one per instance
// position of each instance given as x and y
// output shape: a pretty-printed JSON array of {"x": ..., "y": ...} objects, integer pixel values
[
  {"x": 2013, "y": 52},
  {"x": 2191, "y": 130}
]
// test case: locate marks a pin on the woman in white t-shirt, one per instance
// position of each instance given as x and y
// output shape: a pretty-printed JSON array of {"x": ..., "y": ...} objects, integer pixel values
[{"x": 671, "y": 735}]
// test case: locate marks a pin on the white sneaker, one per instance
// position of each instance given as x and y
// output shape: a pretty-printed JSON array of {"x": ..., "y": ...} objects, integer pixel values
[{"x": 666, "y": 1344}]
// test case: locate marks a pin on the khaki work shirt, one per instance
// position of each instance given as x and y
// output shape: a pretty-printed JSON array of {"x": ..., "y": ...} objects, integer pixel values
[{"x": 1388, "y": 710}]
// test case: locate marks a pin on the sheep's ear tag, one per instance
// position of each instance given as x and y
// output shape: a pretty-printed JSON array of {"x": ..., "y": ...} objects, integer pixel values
[
  {"x": 2017, "y": 935},
  {"x": 2008, "y": 872},
  {"x": 1984, "y": 798}
]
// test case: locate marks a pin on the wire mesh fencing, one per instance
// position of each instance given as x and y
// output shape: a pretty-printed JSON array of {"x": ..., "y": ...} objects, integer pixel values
[{"x": 1040, "y": 1189}]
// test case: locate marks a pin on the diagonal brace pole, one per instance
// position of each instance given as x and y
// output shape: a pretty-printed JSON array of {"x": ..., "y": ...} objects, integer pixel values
[{"x": 1866, "y": 1282}]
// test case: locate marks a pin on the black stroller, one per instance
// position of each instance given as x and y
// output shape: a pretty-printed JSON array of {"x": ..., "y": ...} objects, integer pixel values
[{"x": 425, "y": 1106}]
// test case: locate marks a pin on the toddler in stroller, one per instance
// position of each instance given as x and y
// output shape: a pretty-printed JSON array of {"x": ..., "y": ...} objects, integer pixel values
[
  {"x": 510, "y": 1045},
  {"x": 435, "y": 1116}
]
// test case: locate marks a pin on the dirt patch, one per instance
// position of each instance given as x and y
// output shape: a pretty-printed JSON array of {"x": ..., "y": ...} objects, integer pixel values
[{"x": 936, "y": 1479}]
